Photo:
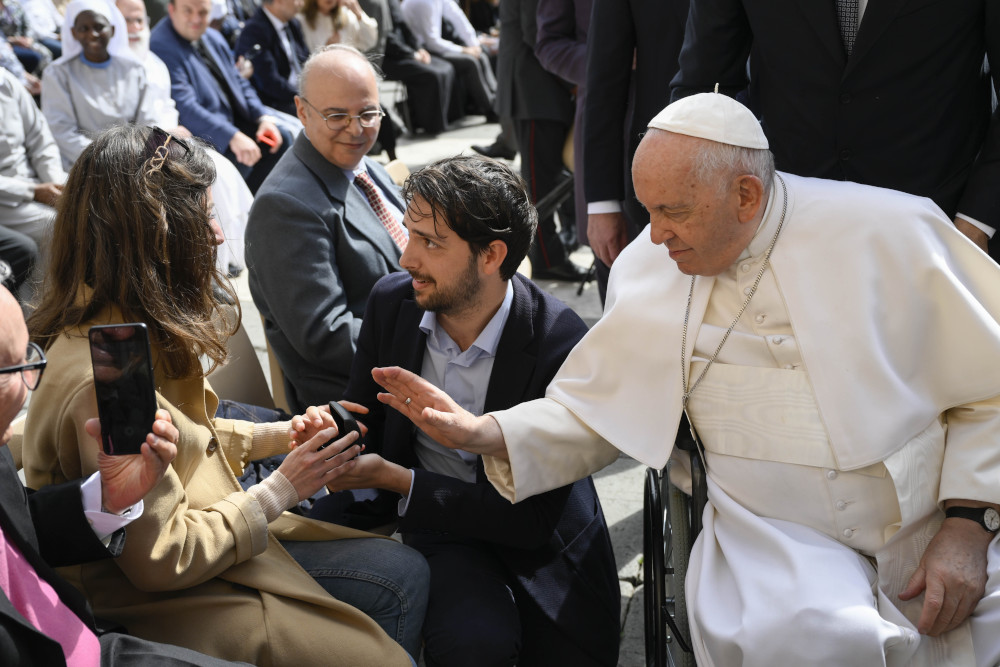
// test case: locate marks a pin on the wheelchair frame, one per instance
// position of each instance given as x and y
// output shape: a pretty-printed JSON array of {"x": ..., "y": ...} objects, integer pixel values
[{"x": 671, "y": 522}]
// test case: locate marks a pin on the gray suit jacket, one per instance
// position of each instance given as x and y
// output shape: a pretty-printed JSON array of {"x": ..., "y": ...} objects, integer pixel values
[{"x": 314, "y": 251}]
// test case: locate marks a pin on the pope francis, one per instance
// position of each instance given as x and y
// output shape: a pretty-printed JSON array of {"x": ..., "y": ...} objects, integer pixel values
[{"x": 837, "y": 349}]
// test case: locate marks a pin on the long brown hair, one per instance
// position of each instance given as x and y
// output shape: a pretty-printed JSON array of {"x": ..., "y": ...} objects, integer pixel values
[
  {"x": 133, "y": 227},
  {"x": 310, "y": 10}
]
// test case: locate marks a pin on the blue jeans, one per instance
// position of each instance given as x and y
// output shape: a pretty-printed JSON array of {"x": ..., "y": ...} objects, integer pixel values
[{"x": 386, "y": 580}]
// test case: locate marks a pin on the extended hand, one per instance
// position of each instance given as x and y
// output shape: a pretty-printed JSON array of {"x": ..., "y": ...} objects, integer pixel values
[
  {"x": 309, "y": 468},
  {"x": 952, "y": 576},
  {"x": 606, "y": 235},
  {"x": 47, "y": 193},
  {"x": 126, "y": 479},
  {"x": 317, "y": 418},
  {"x": 371, "y": 471},
  {"x": 437, "y": 415}
]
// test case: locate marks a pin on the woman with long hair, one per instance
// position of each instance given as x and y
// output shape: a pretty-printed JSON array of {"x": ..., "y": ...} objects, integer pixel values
[{"x": 208, "y": 565}]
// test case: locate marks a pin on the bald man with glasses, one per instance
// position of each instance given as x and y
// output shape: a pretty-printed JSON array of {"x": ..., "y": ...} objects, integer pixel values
[{"x": 325, "y": 226}]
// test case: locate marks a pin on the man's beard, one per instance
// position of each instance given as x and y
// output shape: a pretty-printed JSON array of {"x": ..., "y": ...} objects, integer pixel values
[
  {"x": 139, "y": 43},
  {"x": 463, "y": 295}
]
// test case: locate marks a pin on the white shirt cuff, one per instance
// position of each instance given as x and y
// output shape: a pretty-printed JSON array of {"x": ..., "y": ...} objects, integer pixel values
[
  {"x": 104, "y": 523},
  {"x": 984, "y": 228},
  {"x": 404, "y": 502},
  {"x": 606, "y": 206}
]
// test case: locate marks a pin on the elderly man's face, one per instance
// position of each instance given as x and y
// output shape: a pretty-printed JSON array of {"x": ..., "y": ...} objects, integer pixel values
[
  {"x": 339, "y": 82},
  {"x": 698, "y": 224},
  {"x": 13, "y": 343}
]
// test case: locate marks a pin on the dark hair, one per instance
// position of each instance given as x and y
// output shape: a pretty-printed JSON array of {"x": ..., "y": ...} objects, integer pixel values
[
  {"x": 481, "y": 200},
  {"x": 132, "y": 231}
]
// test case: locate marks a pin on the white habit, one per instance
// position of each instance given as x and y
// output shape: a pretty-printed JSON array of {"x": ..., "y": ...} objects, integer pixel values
[{"x": 858, "y": 391}]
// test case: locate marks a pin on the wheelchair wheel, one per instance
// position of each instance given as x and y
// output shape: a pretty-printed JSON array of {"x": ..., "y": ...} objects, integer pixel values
[
  {"x": 678, "y": 513},
  {"x": 653, "y": 572},
  {"x": 666, "y": 547}
]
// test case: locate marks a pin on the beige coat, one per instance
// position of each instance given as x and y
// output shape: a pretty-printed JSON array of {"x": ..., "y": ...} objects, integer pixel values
[{"x": 200, "y": 568}]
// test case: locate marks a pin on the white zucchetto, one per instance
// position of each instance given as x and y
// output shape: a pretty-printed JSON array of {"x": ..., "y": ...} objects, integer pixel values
[{"x": 712, "y": 116}]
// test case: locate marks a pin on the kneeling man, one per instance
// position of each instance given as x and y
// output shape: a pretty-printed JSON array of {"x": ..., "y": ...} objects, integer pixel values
[{"x": 527, "y": 584}]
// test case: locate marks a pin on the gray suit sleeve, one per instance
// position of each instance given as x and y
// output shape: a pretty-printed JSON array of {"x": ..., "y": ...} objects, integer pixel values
[{"x": 293, "y": 256}]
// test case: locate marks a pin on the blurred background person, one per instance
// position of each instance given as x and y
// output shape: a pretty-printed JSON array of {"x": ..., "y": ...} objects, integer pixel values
[{"x": 337, "y": 22}]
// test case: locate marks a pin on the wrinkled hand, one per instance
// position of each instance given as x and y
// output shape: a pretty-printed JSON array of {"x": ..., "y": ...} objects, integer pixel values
[
  {"x": 606, "y": 235},
  {"x": 317, "y": 418},
  {"x": 437, "y": 415},
  {"x": 975, "y": 234},
  {"x": 371, "y": 471},
  {"x": 309, "y": 468},
  {"x": 47, "y": 193},
  {"x": 421, "y": 55},
  {"x": 127, "y": 478},
  {"x": 245, "y": 149},
  {"x": 951, "y": 575}
]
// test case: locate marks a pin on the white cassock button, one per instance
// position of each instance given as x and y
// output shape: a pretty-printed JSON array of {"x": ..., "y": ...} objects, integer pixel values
[
  {"x": 831, "y": 474},
  {"x": 747, "y": 290},
  {"x": 760, "y": 318},
  {"x": 841, "y": 505},
  {"x": 745, "y": 268},
  {"x": 778, "y": 340},
  {"x": 848, "y": 533},
  {"x": 789, "y": 367}
]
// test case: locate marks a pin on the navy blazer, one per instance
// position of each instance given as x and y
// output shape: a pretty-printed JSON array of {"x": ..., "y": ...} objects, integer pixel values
[
  {"x": 271, "y": 67},
  {"x": 555, "y": 545},
  {"x": 203, "y": 107},
  {"x": 314, "y": 250},
  {"x": 50, "y": 530},
  {"x": 910, "y": 109}
]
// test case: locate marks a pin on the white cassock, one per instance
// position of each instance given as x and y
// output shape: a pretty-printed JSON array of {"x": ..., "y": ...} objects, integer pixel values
[
  {"x": 857, "y": 392},
  {"x": 230, "y": 193}
]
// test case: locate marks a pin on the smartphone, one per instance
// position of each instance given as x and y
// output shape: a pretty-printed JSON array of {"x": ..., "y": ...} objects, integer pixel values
[
  {"x": 123, "y": 379},
  {"x": 345, "y": 422}
]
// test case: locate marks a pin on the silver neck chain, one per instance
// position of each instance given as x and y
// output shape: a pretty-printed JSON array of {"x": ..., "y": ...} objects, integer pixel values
[{"x": 685, "y": 392}]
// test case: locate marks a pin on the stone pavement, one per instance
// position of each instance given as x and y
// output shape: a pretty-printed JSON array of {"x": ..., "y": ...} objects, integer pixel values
[{"x": 620, "y": 485}]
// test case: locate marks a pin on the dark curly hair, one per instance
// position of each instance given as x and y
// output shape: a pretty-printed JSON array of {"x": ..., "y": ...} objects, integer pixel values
[{"x": 479, "y": 199}]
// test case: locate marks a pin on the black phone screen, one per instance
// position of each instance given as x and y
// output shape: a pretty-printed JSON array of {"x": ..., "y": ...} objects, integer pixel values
[{"x": 123, "y": 380}]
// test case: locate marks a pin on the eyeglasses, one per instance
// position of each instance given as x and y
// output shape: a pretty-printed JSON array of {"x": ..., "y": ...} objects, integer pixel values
[
  {"x": 341, "y": 121},
  {"x": 31, "y": 369}
]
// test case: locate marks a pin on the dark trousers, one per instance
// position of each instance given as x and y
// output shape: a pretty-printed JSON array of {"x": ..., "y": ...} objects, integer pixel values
[
  {"x": 476, "y": 77},
  {"x": 19, "y": 252},
  {"x": 428, "y": 90},
  {"x": 540, "y": 143},
  {"x": 478, "y": 615}
]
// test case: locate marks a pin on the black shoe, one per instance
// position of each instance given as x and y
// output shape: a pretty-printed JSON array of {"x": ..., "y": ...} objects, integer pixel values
[
  {"x": 495, "y": 150},
  {"x": 567, "y": 271}
]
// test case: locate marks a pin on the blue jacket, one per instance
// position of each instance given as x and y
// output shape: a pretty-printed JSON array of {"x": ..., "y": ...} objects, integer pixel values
[
  {"x": 271, "y": 67},
  {"x": 203, "y": 106}
]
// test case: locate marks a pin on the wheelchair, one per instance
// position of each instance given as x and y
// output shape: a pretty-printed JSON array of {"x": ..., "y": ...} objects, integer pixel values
[{"x": 671, "y": 522}]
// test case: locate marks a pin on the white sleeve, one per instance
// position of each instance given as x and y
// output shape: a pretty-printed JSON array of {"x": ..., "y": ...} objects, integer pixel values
[
  {"x": 463, "y": 29},
  {"x": 104, "y": 523},
  {"x": 425, "y": 23},
  {"x": 548, "y": 447}
]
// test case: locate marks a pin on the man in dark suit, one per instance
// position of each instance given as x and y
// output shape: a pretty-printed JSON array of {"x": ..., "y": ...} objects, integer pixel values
[
  {"x": 541, "y": 106},
  {"x": 900, "y": 100},
  {"x": 213, "y": 100},
  {"x": 629, "y": 66},
  {"x": 43, "y": 619},
  {"x": 315, "y": 241},
  {"x": 529, "y": 584},
  {"x": 283, "y": 51}
]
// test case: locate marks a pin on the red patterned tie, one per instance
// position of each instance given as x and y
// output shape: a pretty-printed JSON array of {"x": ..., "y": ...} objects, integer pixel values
[{"x": 381, "y": 210}]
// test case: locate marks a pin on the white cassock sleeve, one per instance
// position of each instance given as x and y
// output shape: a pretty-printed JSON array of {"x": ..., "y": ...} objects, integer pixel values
[
  {"x": 548, "y": 446},
  {"x": 972, "y": 453}
]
